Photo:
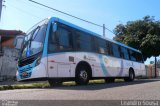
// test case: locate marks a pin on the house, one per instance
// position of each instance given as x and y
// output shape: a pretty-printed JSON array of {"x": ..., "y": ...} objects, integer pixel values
[
  {"x": 8, "y": 54},
  {"x": 8, "y": 36}
]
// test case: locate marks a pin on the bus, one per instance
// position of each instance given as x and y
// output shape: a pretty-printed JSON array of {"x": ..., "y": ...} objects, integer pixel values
[{"x": 57, "y": 51}]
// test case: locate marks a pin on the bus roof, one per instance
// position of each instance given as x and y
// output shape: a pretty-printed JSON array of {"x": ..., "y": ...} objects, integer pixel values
[{"x": 90, "y": 32}]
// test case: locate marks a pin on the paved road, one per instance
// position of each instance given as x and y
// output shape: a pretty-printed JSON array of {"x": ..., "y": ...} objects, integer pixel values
[{"x": 137, "y": 90}]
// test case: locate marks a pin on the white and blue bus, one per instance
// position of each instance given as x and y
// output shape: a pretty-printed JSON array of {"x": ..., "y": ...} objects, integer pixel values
[{"x": 56, "y": 50}]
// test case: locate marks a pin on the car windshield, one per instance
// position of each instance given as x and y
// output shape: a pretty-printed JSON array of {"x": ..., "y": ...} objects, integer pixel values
[{"x": 34, "y": 40}]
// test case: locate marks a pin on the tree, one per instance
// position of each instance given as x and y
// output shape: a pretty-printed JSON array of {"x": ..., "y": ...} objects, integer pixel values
[{"x": 143, "y": 35}]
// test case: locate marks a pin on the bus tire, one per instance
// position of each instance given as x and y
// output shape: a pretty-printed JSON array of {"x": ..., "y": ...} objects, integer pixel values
[
  {"x": 131, "y": 76},
  {"x": 82, "y": 75},
  {"x": 54, "y": 83},
  {"x": 109, "y": 80}
]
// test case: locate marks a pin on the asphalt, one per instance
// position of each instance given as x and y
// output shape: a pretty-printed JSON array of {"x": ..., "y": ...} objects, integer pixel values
[{"x": 138, "y": 90}]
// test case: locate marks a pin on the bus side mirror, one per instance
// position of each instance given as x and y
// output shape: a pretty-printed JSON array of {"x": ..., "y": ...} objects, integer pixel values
[
  {"x": 54, "y": 27},
  {"x": 18, "y": 42}
]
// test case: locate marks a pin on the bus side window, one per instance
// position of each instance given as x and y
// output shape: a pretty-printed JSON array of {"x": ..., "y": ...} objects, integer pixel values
[
  {"x": 83, "y": 41},
  {"x": 124, "y": 52},
  {"x": 132, "y": 55},
  {"x": 65, "y": 40},
  {"x": 139, "y": 57},
  {"x": 93, "y": 44},
  {"x": 53, "y": 41},
  {"x": 116, "y": 52},
  {"x": 102, "y": 47},
  {"x": 110, "y": 49},
  {"x": 107, "y": 48}
]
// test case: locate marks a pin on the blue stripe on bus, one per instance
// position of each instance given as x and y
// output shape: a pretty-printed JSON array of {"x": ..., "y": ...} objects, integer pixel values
[
  {"x": 45, "y": 49},
  {"x": 121, "y": 69},
  {"x": 105, "y": 71}
]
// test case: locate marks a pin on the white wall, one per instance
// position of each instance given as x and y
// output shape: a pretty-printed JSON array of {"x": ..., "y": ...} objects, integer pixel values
[{"x": 8, "y": 63}]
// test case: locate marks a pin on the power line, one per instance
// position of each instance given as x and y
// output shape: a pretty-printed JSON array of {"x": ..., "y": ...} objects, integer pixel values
[
  {"x": 29, "y": 4},
  {"x": 71, "y": 15},
  {"x": 25, "y": 12}
]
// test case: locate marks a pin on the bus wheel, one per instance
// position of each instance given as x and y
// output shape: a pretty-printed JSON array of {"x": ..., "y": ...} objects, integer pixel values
[
  {"x": 109, "y": 80},
  {"x": 131, "y": 76},
  {"x": 82, "y": 75},
  {"x": 54, "y": 83}
]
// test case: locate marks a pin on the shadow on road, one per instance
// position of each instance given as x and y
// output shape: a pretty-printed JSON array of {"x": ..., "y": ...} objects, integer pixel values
[{"x": 104, "y": 85}]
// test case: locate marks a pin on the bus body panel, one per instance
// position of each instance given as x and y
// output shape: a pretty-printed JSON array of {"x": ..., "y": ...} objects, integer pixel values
[
  {"x": 61, "y": 65},
  {"x": 109, "y": 67}
]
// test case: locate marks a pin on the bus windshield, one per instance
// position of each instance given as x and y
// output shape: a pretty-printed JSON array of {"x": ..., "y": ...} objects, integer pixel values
[{"x": 34, "y": 40}]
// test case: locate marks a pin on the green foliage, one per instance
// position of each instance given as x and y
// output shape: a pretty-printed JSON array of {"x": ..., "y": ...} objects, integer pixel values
[{"x": 141, "y": 34}]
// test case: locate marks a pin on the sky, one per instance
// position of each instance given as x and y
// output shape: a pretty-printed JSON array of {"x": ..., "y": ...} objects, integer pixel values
[{"x": 23, "y": 14}]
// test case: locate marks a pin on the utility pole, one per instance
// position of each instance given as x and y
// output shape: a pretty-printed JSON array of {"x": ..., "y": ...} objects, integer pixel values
[
  {"x": 155, "y": 66},
  {"x": 0, "y": 8},
  {"x": 104, "y": 28}
]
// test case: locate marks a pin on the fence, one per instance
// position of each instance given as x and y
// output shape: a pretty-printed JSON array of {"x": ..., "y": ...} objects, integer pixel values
[{"x": 150, "y": 71}]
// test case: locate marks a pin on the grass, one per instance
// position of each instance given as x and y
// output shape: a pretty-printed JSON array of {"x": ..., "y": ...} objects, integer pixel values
[
  {"x": 46, "y": 84},
  {"x": 24, "y": 86}
]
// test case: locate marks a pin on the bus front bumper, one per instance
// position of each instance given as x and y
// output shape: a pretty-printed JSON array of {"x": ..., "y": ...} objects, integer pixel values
[{"x": 29, "y": 72}]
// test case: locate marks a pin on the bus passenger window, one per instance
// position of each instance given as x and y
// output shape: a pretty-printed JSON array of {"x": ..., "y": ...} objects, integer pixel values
[
  {"x": 132, "y": 55},
  {"x": 139, "y": 57},
  {"x": 84, "y": 42},
  {"x": 110, "y": 50},
  {"x": 102, "y": 47},
  {"x": 64, "y": 39},
  {"x": 116, "y": 51},
  {"x": 52, "y": 42},
  {"x": 124, "y": 53}
]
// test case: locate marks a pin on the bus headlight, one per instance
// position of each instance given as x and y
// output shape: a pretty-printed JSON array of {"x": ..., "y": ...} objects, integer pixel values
[{"x": 38, "y": 61}]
